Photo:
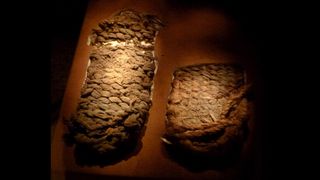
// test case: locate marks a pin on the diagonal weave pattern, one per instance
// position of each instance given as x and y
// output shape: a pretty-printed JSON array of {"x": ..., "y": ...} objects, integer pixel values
[
  {"x": 207, "y": 108},
  {"x": 116, "y": 95}
]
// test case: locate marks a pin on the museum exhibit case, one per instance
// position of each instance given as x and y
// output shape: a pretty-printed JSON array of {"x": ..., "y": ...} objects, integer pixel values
[{"x": 158, "y": 90}]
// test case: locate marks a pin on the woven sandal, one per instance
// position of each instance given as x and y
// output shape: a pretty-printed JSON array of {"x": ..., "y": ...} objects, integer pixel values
[
  {"x": 116, "y": 95},
  {"x": 207, "y": 108}
]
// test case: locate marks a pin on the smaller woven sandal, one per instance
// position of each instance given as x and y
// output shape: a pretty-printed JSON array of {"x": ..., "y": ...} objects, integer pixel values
[{"x": 207, "y": 109}]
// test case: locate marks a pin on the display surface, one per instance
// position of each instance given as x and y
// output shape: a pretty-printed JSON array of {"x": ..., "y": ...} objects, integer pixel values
[
  {"x": 116, "y": 95},
  {"x": 192, "y": 35},
  {"x": 207, "y": 108}
]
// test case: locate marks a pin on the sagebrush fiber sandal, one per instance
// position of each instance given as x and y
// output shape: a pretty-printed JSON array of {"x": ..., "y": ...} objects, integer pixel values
[
  {"x": 116, "y": 95},
  {"x": 207, "y": 108}
]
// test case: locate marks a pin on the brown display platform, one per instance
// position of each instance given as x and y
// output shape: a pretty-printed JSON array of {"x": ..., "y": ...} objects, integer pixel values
[{"x": 192, "y": 35}]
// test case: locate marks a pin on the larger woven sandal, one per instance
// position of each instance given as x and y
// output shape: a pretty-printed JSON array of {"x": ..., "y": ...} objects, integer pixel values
[
  {"x": 116, "y": 95},
  {"x": 207, "y": 108}
]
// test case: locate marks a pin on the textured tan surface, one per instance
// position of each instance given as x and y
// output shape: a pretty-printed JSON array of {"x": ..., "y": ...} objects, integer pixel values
[
  {"x": 207, "y": 110},
  {"x": 192, "y": 36},
  {"x": 116, "y": 95}
]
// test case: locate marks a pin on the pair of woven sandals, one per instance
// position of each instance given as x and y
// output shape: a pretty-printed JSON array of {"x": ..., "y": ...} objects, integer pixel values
[{"x": 207, "y": 106}]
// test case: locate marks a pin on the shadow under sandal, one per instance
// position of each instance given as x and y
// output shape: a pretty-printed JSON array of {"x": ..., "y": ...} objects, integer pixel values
[
  {"x": 207, "y": 110},
  {"x": 116, "y": 95}
]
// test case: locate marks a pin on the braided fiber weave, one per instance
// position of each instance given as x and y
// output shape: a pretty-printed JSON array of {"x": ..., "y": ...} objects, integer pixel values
[
  {"x": 116, "y": 95},
  {"x": 207, "y": 108}
]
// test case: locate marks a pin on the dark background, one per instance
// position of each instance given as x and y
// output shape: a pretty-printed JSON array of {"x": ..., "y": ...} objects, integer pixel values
[
  {"x": 274, "y": 29},
  {"x": 254, "y": 23},
  {"x": 67, "y": 21}
]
